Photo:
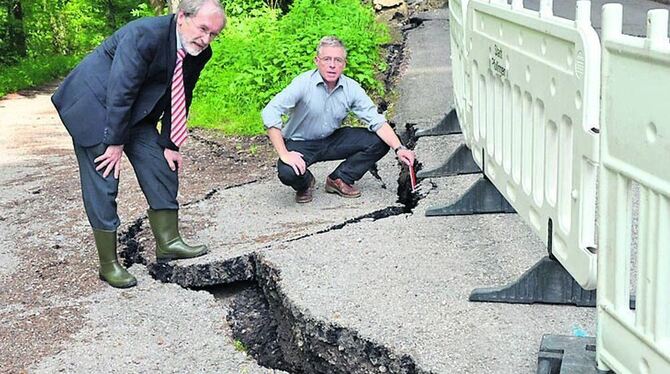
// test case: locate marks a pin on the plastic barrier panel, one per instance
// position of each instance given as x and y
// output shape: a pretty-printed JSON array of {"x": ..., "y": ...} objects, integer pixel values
[
  {"x": 535, "y": 82},
  {"x": 457, "y": 10},
  {"x": 635, "y": 152}
]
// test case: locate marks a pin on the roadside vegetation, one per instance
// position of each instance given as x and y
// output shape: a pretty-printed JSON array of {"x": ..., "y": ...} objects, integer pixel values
[{"x": 264, "y": 46}]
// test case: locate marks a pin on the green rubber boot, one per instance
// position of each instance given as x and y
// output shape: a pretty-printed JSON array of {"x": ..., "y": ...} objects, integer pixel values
[
  {"x": 169, "y": 244},
  {"x": 110, "y": 269}
]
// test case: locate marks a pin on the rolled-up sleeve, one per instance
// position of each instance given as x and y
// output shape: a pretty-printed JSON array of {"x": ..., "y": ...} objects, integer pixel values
[
  {"x": 366, "y": 110},
  {"x": 282, "y": 103}
]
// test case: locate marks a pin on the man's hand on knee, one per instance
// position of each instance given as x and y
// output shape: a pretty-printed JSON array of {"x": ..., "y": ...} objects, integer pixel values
[
  {"x": 110, "y": 160},
  {"x": 294, "y": 160},
  {"x": 173, "y": 159}
]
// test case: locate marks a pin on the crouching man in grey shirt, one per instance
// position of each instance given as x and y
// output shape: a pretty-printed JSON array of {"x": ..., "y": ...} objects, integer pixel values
[{"x": 316, "y": 102}]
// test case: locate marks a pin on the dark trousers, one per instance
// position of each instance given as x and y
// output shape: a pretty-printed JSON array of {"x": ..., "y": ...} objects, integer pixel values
[
  {"x": 359, "y": 148},
  {"x": 159, "y": 184}
]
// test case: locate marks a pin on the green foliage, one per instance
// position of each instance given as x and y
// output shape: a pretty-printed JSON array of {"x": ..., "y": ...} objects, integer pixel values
[
  {"x": 241, "y": 8},
  {"x": 143, "y": 10},
  {"x": 12, "y": 36},
  {"x": 74, "y": 26},
  {"x": 46, "y": 34},
  {"x": 239, "y": 346},
  {"x": 262, "y": 49},
  {"x": 34, "y": 72},
  {"x": 258, "y": 56}
]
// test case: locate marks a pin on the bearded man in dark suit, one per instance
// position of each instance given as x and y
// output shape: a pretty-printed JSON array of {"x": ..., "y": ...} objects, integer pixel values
[{"x": 111, "y": 103}]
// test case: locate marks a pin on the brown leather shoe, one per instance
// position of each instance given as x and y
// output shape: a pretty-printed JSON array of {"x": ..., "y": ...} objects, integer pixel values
[
  {"x": 307, "y": 195},
  {"x": 339, "y": 187}
]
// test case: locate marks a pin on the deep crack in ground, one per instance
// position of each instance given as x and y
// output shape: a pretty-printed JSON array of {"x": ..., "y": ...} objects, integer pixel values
[
  {"x": 264, "y": 321},
  {"x": 279, "y": 335}
]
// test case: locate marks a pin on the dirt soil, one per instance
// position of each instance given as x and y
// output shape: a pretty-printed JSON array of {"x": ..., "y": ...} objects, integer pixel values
[{"x": 48, "y": 262}]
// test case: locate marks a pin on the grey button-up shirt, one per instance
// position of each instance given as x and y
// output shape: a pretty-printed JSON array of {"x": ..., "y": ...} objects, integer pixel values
[{"x": 313, "y": 112}]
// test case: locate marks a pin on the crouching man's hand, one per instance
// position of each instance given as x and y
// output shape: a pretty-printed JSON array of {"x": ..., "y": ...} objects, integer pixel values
[{"x": 406, "y": 155}]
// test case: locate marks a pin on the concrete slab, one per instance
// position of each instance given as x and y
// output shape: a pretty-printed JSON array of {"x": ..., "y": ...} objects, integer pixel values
[
  {"x": 238, "y": 222},
  {"x": 425, "y": 89},
  {"x": 142, "y": 329},
  {"x": 404, "y": 282}
]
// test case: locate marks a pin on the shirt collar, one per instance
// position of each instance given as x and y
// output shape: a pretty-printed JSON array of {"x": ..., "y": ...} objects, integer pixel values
[
  {"x": 179, "y": 45},
  {"x": 318, "y": 79}
]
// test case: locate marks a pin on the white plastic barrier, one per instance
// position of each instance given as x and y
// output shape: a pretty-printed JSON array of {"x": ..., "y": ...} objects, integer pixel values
[
  {"x": 635, "y": 152},
  {"x": 457, "y": 13},
  {"x": 534, "y": 112}
]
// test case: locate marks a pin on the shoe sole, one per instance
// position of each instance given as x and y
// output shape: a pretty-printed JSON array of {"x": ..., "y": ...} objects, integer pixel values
[
  {"x": 334, "y": 190},
  {"x": 166, "y": 259},
  {"x": 131, "y": 284},
  {"x": 312, "y": 183}
]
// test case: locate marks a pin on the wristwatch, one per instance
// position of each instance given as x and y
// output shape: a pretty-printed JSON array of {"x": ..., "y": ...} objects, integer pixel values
[{"x": 396, "y": 149}]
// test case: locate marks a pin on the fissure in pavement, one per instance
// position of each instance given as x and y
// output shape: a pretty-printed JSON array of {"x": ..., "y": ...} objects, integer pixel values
[
  {"x": 263, "y": 319},
  {"x": 265, "y": 322},
  {"x": 278, "y": 334}
]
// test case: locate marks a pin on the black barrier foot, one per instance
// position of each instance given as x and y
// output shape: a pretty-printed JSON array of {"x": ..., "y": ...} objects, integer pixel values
[
  {"x": 447, "y": 126},
  {"x": 460, "y": 162},
  {"x": 547, "y": 282},
  {"x": 567, "y": 355},
  {"x": 481, "y": 198}
]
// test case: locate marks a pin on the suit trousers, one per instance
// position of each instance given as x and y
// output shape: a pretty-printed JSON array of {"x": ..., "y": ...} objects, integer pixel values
[
  {"x": 359, "y": 148},
  {"x": 159, "y": 184}
]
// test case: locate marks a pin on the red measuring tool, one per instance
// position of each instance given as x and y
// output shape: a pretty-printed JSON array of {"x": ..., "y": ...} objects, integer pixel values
[{"x": 412, "y": 177}]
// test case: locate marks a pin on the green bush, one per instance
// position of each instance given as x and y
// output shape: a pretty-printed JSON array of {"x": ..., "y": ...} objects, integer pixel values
[
  {"x": 239, "y": 8},
  {"x": 258, "y": 56},
  {"x": 48, "y": 37},
  {"x": 259, "y": 53},
  {"x": 34, "y": 72}
]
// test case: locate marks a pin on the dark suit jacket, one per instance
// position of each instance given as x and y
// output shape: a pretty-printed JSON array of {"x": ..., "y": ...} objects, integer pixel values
[{"x": 125, "y": 81}]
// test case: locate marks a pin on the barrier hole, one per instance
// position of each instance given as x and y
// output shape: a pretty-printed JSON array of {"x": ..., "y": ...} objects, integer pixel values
[
  {"x": 552, "y": 87},
  {"x": 634, "y": 206},
  {"x": 578, "y": 100},
  {"x": 644, "y": 367},
  {"x": 651, "y": 133},
  {"x": 595, "y": 130},
  {"x": 550, "y": 235},
  {"x": 570, "y": 59},
  {"x": 593, "y": 250}
]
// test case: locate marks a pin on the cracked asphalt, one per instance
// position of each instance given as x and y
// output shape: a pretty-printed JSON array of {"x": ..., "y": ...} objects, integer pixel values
[{"x": 400, "y": 282}]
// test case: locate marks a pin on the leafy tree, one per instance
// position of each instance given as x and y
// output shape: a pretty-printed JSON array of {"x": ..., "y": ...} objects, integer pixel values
[{"x": 12, "y": 35}]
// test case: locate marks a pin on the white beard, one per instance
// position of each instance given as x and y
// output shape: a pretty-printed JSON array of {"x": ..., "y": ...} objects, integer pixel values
[{"x": 188, "y": 47}]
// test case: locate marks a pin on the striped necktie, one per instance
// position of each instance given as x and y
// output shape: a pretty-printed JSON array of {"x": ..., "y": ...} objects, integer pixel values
[{"x": 179, "y": 132}]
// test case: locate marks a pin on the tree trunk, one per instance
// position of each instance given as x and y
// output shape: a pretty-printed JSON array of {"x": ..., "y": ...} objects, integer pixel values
[
  {"x": 158, "y": 6},
  {"x": 17, "y": 35},
  {"x": 111, "y": 20},
  {"x": 172, "y": 5}
]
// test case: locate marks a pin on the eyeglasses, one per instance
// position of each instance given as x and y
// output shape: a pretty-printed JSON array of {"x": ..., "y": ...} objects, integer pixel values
[
  {"x": 329, "y": 60},
  {"x": 202, "y": 28}
]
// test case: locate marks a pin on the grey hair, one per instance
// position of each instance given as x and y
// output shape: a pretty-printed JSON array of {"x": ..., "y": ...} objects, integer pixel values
[
  {"x": 191, "y": 7},
  {"x": 331, "y": 41}
]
